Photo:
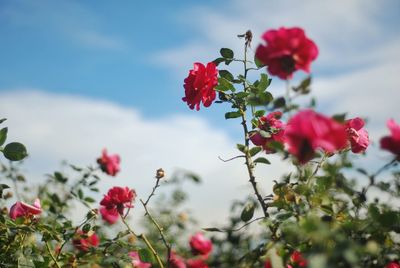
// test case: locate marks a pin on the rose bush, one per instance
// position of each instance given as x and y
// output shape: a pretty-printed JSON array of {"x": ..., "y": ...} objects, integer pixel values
[{"x": 324, "y": 211}]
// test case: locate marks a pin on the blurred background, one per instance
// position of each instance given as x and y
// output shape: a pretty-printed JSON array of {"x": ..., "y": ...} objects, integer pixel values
[{"x": 80, "y": 76}]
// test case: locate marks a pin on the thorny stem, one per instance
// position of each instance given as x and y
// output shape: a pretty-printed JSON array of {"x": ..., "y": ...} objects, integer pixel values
[
  {"x": 152, "y": 193},
  {"x": 379, "y": 171},
  {"x": 51, "y": 255},
  {"x": 160, "y": 230},
  {"x": 146, "y": 241},
  {"x": 249, "y": 160}
]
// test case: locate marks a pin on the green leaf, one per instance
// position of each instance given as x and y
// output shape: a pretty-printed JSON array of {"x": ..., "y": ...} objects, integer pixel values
[
  {"x": 86, "y": 228},
  {"x": 15, "y": 151},
  {"x": 262, "y": 160},
  {"x": 80, "y": 194},
  {"x": 226, "y": 53},
  {"x": 3, "y": 135},
  {"x": 255, "y": 150},
  {"x": 224, "y": 85},
  {"x": 241, "y": 147},
  {"x": 260, "y": 99},
  {"x": 259, "y": 113},
  {"x": 59, "y": 177},
  {"x": 2, "y": 120},
  {"x": 258, "y": 63},
  {"x": 212, "y": 229},
  {"x": 247, "y": 212},
  {"x": 264, "y": 82},
  {"x": 279, "y": 102},
  {"x": 230, "y": 115},
  {"x": 226, "y": 74},
  {"x": 217, "y": 61},
  {"x": 340, "y": 117},
  {"x": 146, "y": 255},
  {"x": 89, "y": 199}
]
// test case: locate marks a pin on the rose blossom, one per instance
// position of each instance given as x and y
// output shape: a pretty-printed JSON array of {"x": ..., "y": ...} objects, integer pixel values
[
  {"x": 357, "y": 135},
  {"x": 21, "y": 209},
  {"x": 196, "y": 263},
  {"x": 267, "y": 264},
  {"x": 109, "y": 163},
  {"x": 137, "y": 262},
  {"x": 200, "y": 245},
  {"x": 176, "y": 261},
  {"x": 297, "y": 258},
  {"x": 199, "y": 85},
  {"x": 392, "y": 143},
  {"x": 287, "y": 50},
  {"x": 272, "y": 126},
  {"x": 307, "y": 131},
  {"x": 114, "y": 203},
  {"x": 393, "y": 264},
  {"x": 84, "y": 243}
]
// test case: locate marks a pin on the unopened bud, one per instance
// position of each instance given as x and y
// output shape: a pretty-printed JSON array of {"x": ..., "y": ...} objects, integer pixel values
[
  {"x": 4, "y": 210},
  {"x": 160, "y": 173},
  {"x": 8, "y": 195},
  {"x": 183, "y": 217},
  {"x": 131, "y": 239}
]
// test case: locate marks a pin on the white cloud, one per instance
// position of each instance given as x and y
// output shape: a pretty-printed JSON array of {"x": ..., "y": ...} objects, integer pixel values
[{"x": 60, "y": 127}]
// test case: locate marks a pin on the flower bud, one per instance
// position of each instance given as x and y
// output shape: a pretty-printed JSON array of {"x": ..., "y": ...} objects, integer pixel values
[{"x": 160, "y": 173}]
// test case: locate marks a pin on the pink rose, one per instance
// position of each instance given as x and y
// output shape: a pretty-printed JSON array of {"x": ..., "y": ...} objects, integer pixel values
[
  {"x": 109, "y": 163},
  {"x": 267, "y": 264},
  {"x": 393, "y": 264},
  {"x": 200, "y": 245},
  {"x": 196, "y": 263},
  {"x": 287, "y": 50},
  {"x": 199, "y": 85},
  {"x": 21, "y": 209},
  {"x": 392, "y": 143},
  {"x": 116, "y": 200},
  {"x": 357, "y": 135},
  {"x": 297, "y": 258},
  {"x": 270, "y": 126},
  {"x": 137, "y": 262},
  {"x": 176, "y": 261},
  {"x": 308, "y": 131},
  {"x": 85, "y": 241}
]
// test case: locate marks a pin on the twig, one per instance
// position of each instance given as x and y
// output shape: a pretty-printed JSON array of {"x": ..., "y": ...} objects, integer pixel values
[
  {"x": 152, "y": 192},
  {"x": 51, "y": 255}
]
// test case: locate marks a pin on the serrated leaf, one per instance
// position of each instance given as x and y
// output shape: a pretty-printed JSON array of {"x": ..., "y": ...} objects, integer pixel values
[
  {"x": 262, "y": 160},
  {"x": 247, "y": 212},
  {"x": 241, "y": 147},
  {"x": 230, "y": 115},
  {"x": 224, "y": 85},
  {"x": 255, "y": 150},
  {"x": 15, "y": 151},
  {"x": 226, "y": 53},
  {"x": 146, "y": 255},
  {"x": 226, "y": 74},
  {"x": 3, "y": 135},
  {"x": 212, "y": 229}
]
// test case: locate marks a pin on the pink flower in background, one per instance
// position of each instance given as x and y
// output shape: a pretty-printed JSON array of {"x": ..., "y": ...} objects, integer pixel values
[
  {"x": 286, "y": 51},
  {"x": 272, "y": 128},
  {"x": 267, "y": 264},
  {"x": 392, "y": 143},
  {"x": 116, "y": 200},
  {"x": 109, "y": 215},
  {"x": 200, "y": 245},
  {"x": 308, "y": 131},
  {"x": 357, "y": 135},
  {"x": 199, "y": 85},
  {"x": 21, "y": 209},
  {"x": 393, "y": 264},
  {"x": 85, "y": 241},
  {"x": 137, "y": 262},
  {"x": 196, "y": 263},
  {"x": 297, "y": 258},
  {"x": 109, "y": 163},
  {"x": 176, "y": 261}
]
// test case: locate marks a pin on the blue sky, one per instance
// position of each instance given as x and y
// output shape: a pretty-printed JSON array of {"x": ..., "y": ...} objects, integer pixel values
[{"x": 77, "y": 76}]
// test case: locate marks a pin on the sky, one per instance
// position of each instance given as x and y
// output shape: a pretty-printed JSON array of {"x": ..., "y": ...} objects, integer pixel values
[{"x": 80, "y": 76}]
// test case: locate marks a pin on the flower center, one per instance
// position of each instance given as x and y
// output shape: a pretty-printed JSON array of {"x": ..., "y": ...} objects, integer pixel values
[{"x": 287, "y": 64}]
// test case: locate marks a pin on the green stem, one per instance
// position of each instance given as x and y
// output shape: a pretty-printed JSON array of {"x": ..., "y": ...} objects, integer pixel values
[{"x": 51, "y": 255}]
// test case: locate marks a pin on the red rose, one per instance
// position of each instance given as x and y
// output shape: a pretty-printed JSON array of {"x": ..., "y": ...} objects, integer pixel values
[
  {"x": 200, "y": 245},
  {"x": 196, "y": 263},
  {"x": 267, "y": 264},
  {"x": 287, "y": 50},
  {"x": 270, "y": 129},
  {"x": 392, "y": 143},
  {"x": 176, "y": 261},
  {"x": 85, "y": 241},
  {"x": 109, "y": 163},
  {"x": 393, "y": 264},
  {"x": 21, "y": 209},
  {"x": 116, "y": 200},
  {"x": 357, "y": 135},
  {"x": 297, "y": 258},
  {"x": 137, "y": 262},
  {"x": 199, "y": 85},
  {"x": 308, "y": 131}
]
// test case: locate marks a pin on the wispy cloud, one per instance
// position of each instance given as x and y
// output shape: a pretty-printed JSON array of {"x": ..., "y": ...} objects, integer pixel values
[{"x": 69, "y": 20}]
